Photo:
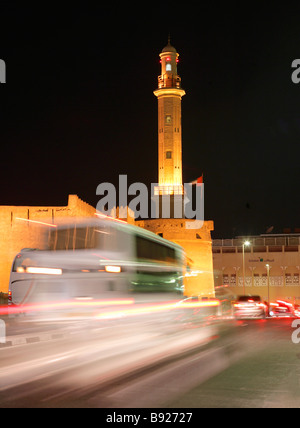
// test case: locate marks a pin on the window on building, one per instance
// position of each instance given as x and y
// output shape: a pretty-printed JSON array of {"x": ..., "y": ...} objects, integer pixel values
[
  {"x": 226, "y": 279},
  {"x": 288, "y": 279},
  {"x": 168, "y": 67},
  {"x": 228, "y": 250},
  {"x": 275, "y": 248},
  {"x": 169, "y": 155},
  {"x": 264, "y": 279},
  {"x": 259, "y": 249},
  {"x": 290, "y": 248}
]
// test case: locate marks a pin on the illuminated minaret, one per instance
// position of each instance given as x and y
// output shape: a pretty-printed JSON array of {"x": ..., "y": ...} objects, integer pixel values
[{"x": 169, "y": 95}]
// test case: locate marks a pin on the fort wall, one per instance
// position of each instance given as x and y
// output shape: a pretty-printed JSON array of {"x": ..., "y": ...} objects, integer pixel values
[{"x": 25, "y": 227}]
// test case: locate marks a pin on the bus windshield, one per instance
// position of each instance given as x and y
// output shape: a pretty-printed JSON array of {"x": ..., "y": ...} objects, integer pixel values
[{"x": 80, "y": 238}]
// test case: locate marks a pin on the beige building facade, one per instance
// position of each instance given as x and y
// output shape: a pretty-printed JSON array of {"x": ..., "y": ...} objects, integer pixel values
[{"x": 269, "y": 265}]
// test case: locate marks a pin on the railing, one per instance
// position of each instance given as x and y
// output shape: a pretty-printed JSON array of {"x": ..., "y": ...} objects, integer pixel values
[
  {"x": 168, "y": 190},
  {"x": 258, "y": 241}
]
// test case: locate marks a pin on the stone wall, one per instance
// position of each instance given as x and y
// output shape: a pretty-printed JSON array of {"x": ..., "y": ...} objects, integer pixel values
[{"x": 26, "y": 226}]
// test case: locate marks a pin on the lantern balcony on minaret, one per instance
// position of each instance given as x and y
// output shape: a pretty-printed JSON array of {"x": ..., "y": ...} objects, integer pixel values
[{"x": 169, "y": 81}]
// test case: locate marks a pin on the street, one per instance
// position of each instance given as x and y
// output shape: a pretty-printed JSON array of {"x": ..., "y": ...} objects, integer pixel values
[
  {"x": 146, "y": 363},
  {"x": 267, "y": 377}
]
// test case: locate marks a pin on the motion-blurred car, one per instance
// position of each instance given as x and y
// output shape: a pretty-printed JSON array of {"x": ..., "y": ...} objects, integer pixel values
[
  {"x": 250, "y": 307},
  {"x": 281, "y": 308},
  {"x": 198, "y": 309}
]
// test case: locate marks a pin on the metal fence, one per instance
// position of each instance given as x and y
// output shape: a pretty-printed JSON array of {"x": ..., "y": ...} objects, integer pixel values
[{"x": 257, "y": 241}]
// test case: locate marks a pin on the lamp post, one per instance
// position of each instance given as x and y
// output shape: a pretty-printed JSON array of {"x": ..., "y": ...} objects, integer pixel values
[
  {"x": 246, "y": 243},
  {"x": 268, "y": 277}
]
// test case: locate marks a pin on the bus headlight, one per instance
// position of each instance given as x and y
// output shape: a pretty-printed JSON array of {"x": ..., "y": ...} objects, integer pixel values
[{"x": 45, "y": 271}]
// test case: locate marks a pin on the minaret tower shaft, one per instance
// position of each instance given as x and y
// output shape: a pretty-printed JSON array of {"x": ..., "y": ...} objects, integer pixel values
[{"x": 169, "y": 94}]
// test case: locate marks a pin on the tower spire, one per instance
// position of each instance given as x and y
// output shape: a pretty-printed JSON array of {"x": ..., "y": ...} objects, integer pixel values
[{"x": 169, "y": 94}]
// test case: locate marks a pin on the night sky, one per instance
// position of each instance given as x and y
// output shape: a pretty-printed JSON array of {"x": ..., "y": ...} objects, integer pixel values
[{"x": 78, "y": 107}]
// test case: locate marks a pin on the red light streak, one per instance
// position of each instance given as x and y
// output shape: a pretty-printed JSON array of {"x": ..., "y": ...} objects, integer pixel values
[
  {"x": 38, "y": 307},
  {"x": 138, "y": 309},
  {"x": 285, "y": 303},
  {"x": 157, "y": 307}
]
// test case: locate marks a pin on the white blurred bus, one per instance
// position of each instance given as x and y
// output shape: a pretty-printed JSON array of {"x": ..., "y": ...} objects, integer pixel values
[{"x": 91, "y": 258}]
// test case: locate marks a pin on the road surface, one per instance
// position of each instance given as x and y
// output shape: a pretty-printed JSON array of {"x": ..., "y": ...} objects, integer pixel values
[
  {"x": 150, "y": 362},
  {"x": 268, "y": 376}
]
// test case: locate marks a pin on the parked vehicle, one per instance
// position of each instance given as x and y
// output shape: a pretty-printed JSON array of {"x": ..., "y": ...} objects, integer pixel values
[
  {"x": 282, "y": 308},
  {"x": 250, "y": 307}
]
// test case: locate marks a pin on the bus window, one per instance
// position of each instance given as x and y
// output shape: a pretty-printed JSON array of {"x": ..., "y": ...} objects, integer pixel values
[
  {"x": 151, "y": 250},
  {"x": 74, "y": 238},
  {"x": 116, "y": 240},
  {"x": 81, "y": 238},
  {"x": 62, "y": 239}
]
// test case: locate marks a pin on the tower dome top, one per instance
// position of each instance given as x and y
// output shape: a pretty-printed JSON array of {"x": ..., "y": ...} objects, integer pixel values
[{"x": 169, "y": 47}]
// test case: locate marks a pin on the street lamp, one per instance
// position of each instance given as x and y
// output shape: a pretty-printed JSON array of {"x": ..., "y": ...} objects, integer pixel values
[
  {"x": 246, "y": 243},
  {"x": 268, "y": 276}
]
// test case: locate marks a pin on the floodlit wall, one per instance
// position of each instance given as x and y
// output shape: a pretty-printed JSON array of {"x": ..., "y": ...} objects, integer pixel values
[
  {"x": 16, "y": 232},
  {"x": 197, "y": 244}
]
